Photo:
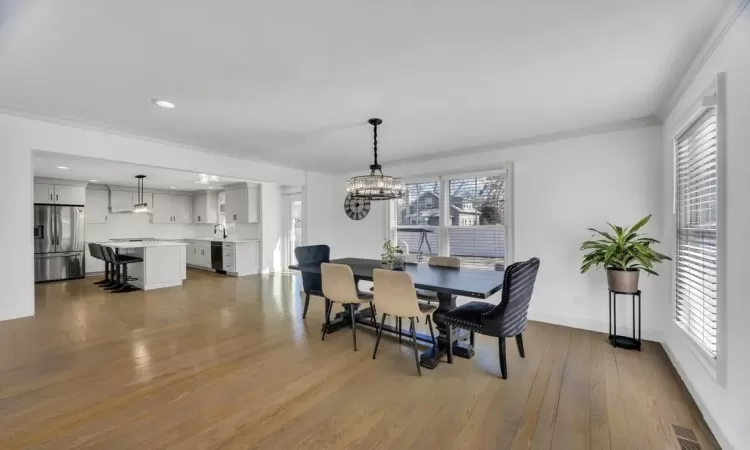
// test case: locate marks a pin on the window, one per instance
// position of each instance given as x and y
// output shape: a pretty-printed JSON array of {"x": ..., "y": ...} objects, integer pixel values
[
  {"x": 696, "y": 200},
  {"x": 474, "y": 226},
  {"x": 418, "y": 218}
]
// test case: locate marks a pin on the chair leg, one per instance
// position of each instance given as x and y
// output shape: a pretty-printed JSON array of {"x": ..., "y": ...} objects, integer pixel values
[
  {"x": 373, "y": 313},
  {"x": 329, "y": 306},
  {"x": 380, "y": 333},
  {"x": 519, "y": 342},
  {"x": 471, "y": 338},
  {"x": 354, "y": 326},
  {"x": 432, "y": 332},
  {"x": 414, "y": 343},
  {"x": 307, "y": 303},
  {"x": 399, "y": 329},
  {"x": 503, "y": 361},
  {"x": 450, "y": 343}
]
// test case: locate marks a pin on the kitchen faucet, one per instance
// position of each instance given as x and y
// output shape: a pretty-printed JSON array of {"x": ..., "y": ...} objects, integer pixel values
[{"x": 222, "y": 227}]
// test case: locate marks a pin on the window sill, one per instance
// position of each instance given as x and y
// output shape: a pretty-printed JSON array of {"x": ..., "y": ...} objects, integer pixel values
[{"x": 710, "y": 364}]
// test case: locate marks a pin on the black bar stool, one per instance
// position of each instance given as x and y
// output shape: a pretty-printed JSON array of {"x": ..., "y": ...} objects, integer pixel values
[
  {"x": 121, "y": 268},
  {"x": 114, "y": 281},
  {"x": 96, "y": 252}
]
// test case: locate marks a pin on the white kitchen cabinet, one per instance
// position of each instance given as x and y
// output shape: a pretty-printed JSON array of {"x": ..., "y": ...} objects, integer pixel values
[
  {"x": 59, "y": 194},
  {"x": 241, "y": 258},
  {"x": 120, "y": 201},
  {"x": 44, "y": 193},
  {"x": 199, "y": 254},
  {"x": 171, "y": 208},
  {"x": 206, "y": 208},
  {"x": 182, "y": 206},
  {"x": 70, "y": 195},
  {"x": 97, "y": 206},
  {"x": 242, "y": 204}
]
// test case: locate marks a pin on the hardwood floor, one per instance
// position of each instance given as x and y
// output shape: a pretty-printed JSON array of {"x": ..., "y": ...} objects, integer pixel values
[{"x": 229, "y": 363}]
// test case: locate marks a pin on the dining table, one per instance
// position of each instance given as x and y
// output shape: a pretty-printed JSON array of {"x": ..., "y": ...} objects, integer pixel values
[{"x": 446, "y": 282}]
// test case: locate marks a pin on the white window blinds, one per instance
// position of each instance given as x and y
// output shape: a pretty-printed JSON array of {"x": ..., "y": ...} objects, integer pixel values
[{"x": 696, "y": 210}]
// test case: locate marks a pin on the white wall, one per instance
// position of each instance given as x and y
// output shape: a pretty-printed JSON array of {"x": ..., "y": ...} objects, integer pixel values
[
  {"x": 20, "y": 135},
  {"x": 560, "y": 189},
  {"x": 725, "y": 407},
  {"x": 271, "y": 228}
]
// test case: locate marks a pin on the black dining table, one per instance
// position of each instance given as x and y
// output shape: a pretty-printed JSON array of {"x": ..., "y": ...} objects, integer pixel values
[{"x": 447, "y": 282}]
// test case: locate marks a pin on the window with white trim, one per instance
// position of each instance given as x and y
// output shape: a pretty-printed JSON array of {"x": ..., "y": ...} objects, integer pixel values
[
  {"x": 696, "y": 205},
  {"x": 462, "y": 215}
]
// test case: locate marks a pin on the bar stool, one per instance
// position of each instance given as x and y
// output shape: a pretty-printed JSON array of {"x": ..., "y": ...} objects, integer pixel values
[
  {"x": 114, "y": 282},
  {"x": 121, "y": 267},
  {"x": 96, "y": 252}
]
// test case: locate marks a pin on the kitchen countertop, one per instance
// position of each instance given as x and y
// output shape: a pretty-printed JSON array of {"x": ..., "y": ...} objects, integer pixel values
[
  {"x": 142, "y": 244},
  {"x": 217, "y": 239}
]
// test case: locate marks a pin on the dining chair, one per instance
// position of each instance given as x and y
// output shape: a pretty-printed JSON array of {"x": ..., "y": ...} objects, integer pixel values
[
  {"x": 507, "y": 319},
  {"x": 437, "y": 261},
  {"x": 311, "y": 282},
  {"x": 395, "y": 296},
  {"x": 339, "y": 287}
]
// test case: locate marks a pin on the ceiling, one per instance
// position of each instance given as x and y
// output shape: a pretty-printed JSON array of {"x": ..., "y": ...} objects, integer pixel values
[
  {"x": 294, "y": 81},
  {"x": 80, "y": 168}
]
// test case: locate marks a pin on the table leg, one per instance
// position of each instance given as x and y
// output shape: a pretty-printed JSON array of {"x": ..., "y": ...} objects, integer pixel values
[{"x": 431, "y": 357}]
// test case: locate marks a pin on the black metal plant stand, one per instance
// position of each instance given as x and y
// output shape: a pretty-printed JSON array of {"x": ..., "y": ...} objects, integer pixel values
[{"x": 624, "y": 341}]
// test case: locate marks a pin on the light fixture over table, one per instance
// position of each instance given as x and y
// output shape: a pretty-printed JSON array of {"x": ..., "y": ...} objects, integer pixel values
[
  {"x": 374, "y": 186},
  {"x": 141, "y": 206}
]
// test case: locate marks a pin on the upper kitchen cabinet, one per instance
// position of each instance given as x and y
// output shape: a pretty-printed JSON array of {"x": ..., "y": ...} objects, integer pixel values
[
  {"x": 120, "y": 201},
  {"x": 172, "y": 208},
  {"x": 97, "y": 206},
  {"x": 44, "y": 193},
  {"x": 206, "y": 207},
  {"x": 242, "y": 203},
  {"x": 59, "y": 194},
  {"x": 70, "y": 195}
]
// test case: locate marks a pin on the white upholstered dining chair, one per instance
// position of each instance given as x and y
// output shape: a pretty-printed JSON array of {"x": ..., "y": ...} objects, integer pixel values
[{"x": 339, "y": 286}]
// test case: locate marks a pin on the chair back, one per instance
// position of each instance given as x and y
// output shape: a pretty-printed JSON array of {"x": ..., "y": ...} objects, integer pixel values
[
  {"x": 96, "y": 251},
  {"x": 312, "y": 254},
  {"x": 395, "y": 294},
  {"x": 444, "y": 261},
  {"x": 108, "y": 254},
  {"x": 509, "y": 318},
  {"x": 338, "y": 283}
]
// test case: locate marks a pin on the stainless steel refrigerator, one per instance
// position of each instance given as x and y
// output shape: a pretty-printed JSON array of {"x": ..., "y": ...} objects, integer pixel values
[{"x": 58, "y": 242}]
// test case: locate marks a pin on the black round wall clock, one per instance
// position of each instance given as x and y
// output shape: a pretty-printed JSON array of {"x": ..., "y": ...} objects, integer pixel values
[{"x": 356, "y": 208}]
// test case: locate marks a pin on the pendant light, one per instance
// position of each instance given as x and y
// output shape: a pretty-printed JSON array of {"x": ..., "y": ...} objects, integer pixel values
[
  {"x": 141, "y": 206},
  {"x": 375, "y": 186}
]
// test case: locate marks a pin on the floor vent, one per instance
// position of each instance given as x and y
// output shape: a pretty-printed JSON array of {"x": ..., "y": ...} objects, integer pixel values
[{"x": 686, "y": 438}]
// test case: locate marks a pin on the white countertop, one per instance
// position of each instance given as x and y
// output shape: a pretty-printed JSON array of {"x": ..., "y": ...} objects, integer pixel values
[
  {"x": 142, "y": 244},
  {"x": 218, "y": 239}
]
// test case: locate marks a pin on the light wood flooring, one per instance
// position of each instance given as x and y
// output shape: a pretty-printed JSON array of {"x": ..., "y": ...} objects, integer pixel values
[{"x": 229, "y": 363}]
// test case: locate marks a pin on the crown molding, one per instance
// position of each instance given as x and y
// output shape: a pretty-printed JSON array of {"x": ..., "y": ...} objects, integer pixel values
[{"x": 731, "y": 11}]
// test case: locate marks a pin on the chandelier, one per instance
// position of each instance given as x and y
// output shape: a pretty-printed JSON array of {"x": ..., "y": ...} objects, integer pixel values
[
  {"x": 141, "y": 206},
  {"x": 374, "y": 186}
]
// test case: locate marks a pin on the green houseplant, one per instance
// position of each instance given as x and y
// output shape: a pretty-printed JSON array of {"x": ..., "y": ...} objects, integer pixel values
[
  {"x": 624, "y": 253},
  {"x": 391, "y": 254}
]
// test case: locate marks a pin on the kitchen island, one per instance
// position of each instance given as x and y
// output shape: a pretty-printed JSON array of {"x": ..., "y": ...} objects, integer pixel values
[{"x": 163, "y": 263}]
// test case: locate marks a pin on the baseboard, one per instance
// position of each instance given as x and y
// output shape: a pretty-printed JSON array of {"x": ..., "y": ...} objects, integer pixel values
[
  {"x": 707, "y": 417},
  {"x": 648, "y": 334}
]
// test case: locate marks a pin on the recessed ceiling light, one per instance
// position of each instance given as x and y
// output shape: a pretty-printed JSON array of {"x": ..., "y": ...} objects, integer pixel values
[
  {"x": 172, "y": 187},
  {"x": 162, "y": 103},
  {"x": 63, "y": 167},
  {"x": 93, "y": 181},
  {"x": 210, "y": 187}
]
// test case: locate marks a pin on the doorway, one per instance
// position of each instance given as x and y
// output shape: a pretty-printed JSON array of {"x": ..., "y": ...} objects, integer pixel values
[{"x": 292, "y": 226}]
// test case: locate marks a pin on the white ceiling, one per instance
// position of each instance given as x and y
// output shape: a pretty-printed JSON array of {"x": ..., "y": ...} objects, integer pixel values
[
  {"x": 294, "y": 81},
  {"x": 80, "y": 168}
]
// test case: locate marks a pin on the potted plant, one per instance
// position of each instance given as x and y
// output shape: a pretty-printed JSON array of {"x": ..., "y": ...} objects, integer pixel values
[
  {"x": 391, "y": 257},
  {"x": 624, "y": 253}
]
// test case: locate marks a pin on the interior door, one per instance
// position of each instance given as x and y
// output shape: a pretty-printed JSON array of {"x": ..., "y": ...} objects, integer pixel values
[{"x": 70, "y": 228}]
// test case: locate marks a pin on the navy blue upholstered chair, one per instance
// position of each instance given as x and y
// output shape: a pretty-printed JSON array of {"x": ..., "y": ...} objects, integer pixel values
[
  {"x": 508, "y": 319},
  {"x": 312, "y": 283}
]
